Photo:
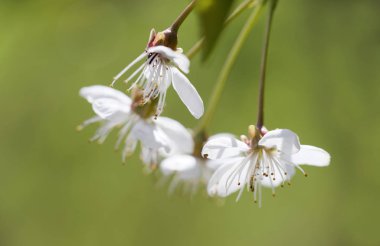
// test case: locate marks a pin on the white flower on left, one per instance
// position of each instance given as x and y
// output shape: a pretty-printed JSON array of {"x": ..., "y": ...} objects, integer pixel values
[
  {"x": 158, "y": 71},
  {"x": 114, "y": 109}
]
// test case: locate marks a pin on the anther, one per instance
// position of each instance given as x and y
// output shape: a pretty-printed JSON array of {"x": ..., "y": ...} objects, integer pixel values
[
  {"x": 205, "y": 155},
  {"x": 152, "y": 59},
  {"x": 306, "y": 175}
]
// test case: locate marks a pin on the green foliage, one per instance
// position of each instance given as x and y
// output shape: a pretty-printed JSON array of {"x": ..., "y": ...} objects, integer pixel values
[{"x": 212, "y": 15}]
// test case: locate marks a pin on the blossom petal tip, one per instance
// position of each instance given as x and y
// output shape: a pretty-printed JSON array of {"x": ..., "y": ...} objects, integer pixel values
[
  {"x": 197, "y": 116},
  {"x": 310, "y": 155}
]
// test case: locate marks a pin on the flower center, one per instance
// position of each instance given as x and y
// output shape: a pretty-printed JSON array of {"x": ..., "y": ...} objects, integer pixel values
[
  {"x": 145, "y": 109},
  {"x": 266, "y": 168},
  {"x": 155, "y": 59}
]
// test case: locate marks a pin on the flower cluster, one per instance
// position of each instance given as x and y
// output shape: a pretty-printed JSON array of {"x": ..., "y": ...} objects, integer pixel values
[{"x": 221, "y": 163}]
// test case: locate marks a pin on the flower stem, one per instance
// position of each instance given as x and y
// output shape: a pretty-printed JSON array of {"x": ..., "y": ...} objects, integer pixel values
[
  {"x": 239, "y": 9},
  {"x": 264, "y": 58},
  {"x": 180, "y": 19},
  {"x": 227, "y": 67}
]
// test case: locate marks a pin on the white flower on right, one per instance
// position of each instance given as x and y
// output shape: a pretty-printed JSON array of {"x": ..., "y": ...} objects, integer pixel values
[
  {"x": 265, "y": 159},
  {"x": 159, "y": 71}
]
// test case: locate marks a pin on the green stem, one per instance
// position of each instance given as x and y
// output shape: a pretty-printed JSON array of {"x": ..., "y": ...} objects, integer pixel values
[
  {"x": 227, "y": 67},
  {"x": 239, "y": 9},
  {"x": 243, "y": 6},
  {"x": 196, "y": 47},
  {"x": 263, "y": 66},
  {"x": 180, "y": 19}
]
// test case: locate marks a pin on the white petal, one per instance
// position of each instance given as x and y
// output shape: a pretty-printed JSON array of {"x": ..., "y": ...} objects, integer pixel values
[
  {"x": 223, "y": 147},
  {"x": 106, "y": 102},
  {"x": 284, "y": 140},
  {"x": 178, "y": 58},
  {"x": 182, "y": 62},
  {"x": 180, "y": 138},
  {"x": 108, "y": 107},
  {"x": 148, "y": 134},
  {"x": 310, "y": 155},
  {"x": 187, "y": 92},
  {"x": 94, "y": 92},
  {"x": 130, "y": 146},
  {"x": 149, "y": 155},
  {"x": 215, "y": 164},
  {"x": 178, "y": 163},
  {"x": 223, "y": 182}
]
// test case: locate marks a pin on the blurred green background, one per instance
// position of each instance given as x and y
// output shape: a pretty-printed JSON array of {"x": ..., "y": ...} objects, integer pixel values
[{"x": 323, "y": 83}]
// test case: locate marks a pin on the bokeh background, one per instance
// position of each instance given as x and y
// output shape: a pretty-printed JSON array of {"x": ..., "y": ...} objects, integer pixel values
[{"x": 57, "y": 189}]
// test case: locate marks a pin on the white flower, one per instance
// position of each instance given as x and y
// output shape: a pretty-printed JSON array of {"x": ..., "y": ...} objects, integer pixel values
[
  {"x": 268, "y": 161},
  {"x": 158, "y": 71},
  {"x": 188, "y": 168},
  {"x": 114, "y": 109}
]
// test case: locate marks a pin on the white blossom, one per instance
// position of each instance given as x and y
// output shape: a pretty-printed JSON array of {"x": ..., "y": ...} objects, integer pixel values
[
  {"x": 187, "y": 168},
  {"x": 266, "y": 159},
  {"x": 158, "y": 71},
  {"x": 114, "y": 109}
]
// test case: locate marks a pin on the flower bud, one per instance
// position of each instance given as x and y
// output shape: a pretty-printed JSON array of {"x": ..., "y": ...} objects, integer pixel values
[
  {"x": 252, "y": 131},
  {"x": 166, "y": 38}
]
